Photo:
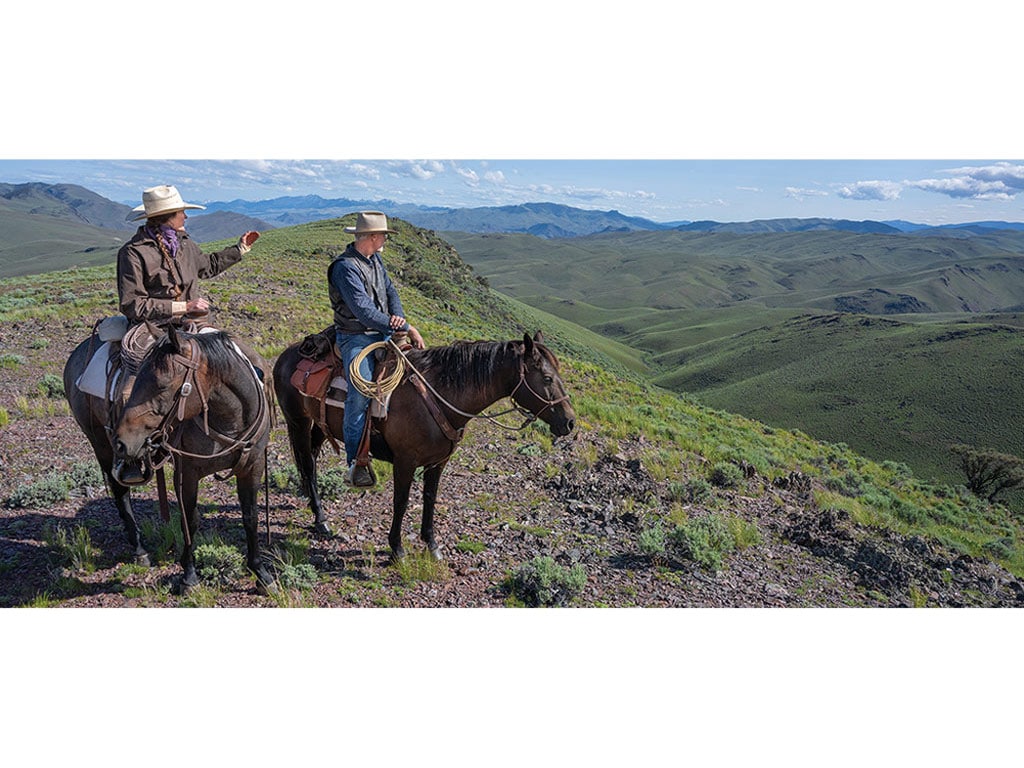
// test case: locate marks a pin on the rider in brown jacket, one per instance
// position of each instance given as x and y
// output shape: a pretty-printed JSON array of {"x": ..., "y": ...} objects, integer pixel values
[{"x": 158, "y": 270}]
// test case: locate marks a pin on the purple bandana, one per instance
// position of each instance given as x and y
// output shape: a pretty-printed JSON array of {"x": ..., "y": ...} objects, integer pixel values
[{"x": 170, "y": 237}]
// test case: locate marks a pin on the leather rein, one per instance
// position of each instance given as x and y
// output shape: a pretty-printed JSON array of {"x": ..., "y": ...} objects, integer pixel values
[
  {"x": 422, "y": 385},
  {"x": 160, "y": 439}
]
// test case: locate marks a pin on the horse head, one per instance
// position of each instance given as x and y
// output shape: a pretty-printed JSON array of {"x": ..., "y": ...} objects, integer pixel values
[
  {"x": 540, "y": 390},
  {"x": 157, "y": 401}
]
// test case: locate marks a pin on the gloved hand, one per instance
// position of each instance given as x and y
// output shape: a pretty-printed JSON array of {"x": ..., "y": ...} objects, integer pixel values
[{"x": 245, "y": 241}]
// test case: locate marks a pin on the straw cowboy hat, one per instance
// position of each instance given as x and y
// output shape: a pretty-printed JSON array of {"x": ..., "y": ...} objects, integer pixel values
[
  {"x": 159, "y": 200},
  {"x": 370, "y": 223}
]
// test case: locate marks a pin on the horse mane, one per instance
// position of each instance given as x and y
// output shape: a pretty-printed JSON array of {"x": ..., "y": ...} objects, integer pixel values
[
  {"x": 471, "y": 363},
  {"x": 216, "y": 347},
  {"x": 465, "y": 363}
]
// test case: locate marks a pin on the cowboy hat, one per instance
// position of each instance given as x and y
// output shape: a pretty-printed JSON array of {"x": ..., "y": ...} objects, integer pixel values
[
  {"x": 370, "y": 223},
  {"x": 159, "y": 200}
]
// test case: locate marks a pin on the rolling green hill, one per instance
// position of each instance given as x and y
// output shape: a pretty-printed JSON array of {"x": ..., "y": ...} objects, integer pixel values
[
  {"x": 665, "y": 458},
  {"x": 898, "y": 345},
  {"x": 54, "y": 227}
]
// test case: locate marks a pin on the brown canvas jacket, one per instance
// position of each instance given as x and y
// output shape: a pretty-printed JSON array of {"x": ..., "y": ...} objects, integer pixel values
[{"x": 146, "y": 288}]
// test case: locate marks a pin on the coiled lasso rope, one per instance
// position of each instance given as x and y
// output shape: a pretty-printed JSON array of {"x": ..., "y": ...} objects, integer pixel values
[{"x": 378, "y": 390}]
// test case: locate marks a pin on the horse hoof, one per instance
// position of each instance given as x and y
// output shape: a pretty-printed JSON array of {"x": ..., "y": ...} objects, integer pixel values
[
  {"x": 396, "y": 556},
  {"x": 266, "y": 589},
  {"x": 142, "y": 559},
  {"x": 182, "y": 587},
  {"x": 437, "y": 553},
  {"x": 322, "y": 530}
]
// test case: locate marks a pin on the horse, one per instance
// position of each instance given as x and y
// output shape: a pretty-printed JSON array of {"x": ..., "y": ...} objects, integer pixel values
[
  {"x": 195, "y": 398},
  {"x": 423, "y": 429}
]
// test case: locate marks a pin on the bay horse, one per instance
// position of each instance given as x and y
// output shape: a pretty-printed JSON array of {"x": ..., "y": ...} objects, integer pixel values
[
  {"x": 195, "y": 398},
  {"x": 467, "y": 377}
]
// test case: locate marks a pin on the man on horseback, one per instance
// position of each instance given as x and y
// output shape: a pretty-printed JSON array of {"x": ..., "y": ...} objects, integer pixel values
[{"x": 366, "y": 310}]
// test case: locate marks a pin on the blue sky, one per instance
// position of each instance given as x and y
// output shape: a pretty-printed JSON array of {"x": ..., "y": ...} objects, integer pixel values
[
  {"x": 924, "y": 191},
  {"x": 734, "y": 112}
]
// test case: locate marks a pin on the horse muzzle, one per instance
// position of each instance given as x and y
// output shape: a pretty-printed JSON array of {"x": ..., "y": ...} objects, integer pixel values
[
  {"x": 562, "y": 427},
  {"x": 132, "y": 471},
  {"x": 136, "y": 467}
]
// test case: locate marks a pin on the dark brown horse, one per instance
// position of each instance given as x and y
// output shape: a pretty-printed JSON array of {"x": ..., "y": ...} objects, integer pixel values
[
  {"x": 196, "y": 399},
  {"x": 466, "y": 377}
]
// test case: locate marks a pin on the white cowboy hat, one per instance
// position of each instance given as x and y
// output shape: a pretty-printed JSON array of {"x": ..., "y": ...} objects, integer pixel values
[
  {"x": 370, "y": 223},
  {"x": 162, "y": 199}
]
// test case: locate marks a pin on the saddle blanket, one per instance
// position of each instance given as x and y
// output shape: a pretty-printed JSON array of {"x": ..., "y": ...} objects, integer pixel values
[
  {"x": 94, "y": 378},
  {"x": 339, "y": 389}
]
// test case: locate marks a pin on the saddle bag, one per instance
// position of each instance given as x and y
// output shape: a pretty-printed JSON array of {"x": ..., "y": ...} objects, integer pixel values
[{"x": 313, "y": 377}]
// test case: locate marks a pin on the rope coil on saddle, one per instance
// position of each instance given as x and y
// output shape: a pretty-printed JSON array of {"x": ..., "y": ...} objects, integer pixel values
[{"x": 378, "y": 390}]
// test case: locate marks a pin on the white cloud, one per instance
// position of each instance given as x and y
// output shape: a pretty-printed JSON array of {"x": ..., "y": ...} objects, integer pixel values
[
  {"x": 966, "y": 187},
  {"x": 798, "y": 193},
  {"x": 364, "y": 171},
  {"x": 1009, "y": 175},
  {"x": 870, "y": 190},
  {"x": 423, "y": 170}
]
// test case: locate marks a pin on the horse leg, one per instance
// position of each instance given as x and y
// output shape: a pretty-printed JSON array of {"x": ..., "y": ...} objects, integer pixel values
[
  {"x": 402, "y": 477},
  {"x": 247, "y": 484},
  {"x": 305, "y": 448},
  {"x": 431, "y": 479},
  {"x": 320, "y": 527},
  {"x": 188, "y": 496},
  {"x": 123, "y": 502}
]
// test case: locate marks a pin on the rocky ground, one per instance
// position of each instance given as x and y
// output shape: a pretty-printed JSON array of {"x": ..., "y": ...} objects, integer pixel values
[{"x": 503, "y": 502}]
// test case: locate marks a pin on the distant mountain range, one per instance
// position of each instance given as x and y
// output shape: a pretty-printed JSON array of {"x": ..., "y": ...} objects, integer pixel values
[{"x": 55, "y": 226}]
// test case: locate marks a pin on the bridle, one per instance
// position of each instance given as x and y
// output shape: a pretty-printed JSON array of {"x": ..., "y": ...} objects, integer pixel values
[
  {"x": 522, "y": 410},
  {"x": 530, "y": 415},
  {"x": 160, "y": 439}
]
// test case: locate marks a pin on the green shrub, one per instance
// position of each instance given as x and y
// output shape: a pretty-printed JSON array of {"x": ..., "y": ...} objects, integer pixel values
[
  {"x": 725, "y": 474},
  {"x": 48, "y": 490},
  {"x": 284, "y": 478},
  {"x": 164, "y": 540},
  {"x": 218, "y": 562},
  {"x": 11, "y": 360},
  {"x": 698, "y": 489},
  {"x": 745, "y": 533},
  {"x": 75, "y": 549},
  {"x": 5, "y": 418},
  {"x": 653, "y": 541},
  {"x": 705, "y": 540},
  {"x": 470, "y": 546},
  {"x": 678, "y": 491},
  {"x": 543, "y": 583},
  {"x": 421, "y": 566},
  {"x": 84, "y": 474},
  {"x": 51, "y": 386},
  {"x": 290, "y": 562},
  {"x": 297, "y": 576}
]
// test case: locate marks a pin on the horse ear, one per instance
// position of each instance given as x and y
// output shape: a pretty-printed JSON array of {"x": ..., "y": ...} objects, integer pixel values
[
  {"x": 172, "y": 338},
  {"x": 539, "y": 337},
  {"x": 529, "y": 344}
]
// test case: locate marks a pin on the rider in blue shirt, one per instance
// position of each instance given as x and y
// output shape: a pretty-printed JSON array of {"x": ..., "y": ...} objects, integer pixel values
[{"x": 366, "y": 310}]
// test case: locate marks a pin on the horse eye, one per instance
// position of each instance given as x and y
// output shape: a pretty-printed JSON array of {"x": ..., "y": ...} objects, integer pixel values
[{"x": 548, "y": 379}]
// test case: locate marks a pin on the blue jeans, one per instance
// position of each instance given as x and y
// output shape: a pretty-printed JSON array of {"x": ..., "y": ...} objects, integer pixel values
[{"x": 348, "y": 346}]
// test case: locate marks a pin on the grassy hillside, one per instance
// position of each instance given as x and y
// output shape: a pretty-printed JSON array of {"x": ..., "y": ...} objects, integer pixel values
[
  {"x": 924, "y": 354},
  {"x": 688, "y": 270},
  {"x": 32, "y": 244},
  {"x": 665, "y": 458}
]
